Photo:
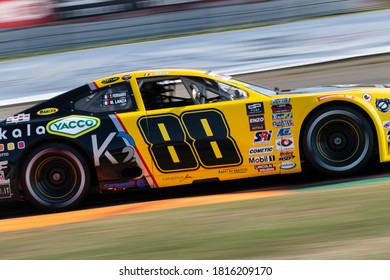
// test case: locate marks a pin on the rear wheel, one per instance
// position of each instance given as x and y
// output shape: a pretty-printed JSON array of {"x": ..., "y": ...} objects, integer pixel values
[
  {"x": 55, "y": 177},
  {"x": 338, "y": 140}
]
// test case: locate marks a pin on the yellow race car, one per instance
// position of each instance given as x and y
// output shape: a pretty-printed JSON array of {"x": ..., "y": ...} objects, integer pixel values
[{"x": 169, "y": 127}]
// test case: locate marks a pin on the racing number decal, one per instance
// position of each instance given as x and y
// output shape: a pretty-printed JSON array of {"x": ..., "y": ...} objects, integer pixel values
[
  {"x": 167, "y": 137},
  {"x": 212, "y": 142},
  {"x": 167, "y": 143}
]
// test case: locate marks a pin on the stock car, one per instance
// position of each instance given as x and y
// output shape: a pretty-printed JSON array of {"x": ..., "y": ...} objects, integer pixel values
[{"x": 169, "y": 127}]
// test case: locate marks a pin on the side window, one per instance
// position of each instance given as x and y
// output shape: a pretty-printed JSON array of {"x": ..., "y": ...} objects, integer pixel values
[
  {"x": 168, "y": 92},
  {"x": 164, "y": 92},
  {"x": 113, "y": 98},
  {"x": 218, "y": 91},
  {"x": 231, "y": 92}
]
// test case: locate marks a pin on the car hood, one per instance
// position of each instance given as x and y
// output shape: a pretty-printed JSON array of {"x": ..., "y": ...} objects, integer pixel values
[{"x": 332, "y": 88}]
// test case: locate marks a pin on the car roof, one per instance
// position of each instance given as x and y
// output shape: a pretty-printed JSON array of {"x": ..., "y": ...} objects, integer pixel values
[{"x": 147, "y": 73}]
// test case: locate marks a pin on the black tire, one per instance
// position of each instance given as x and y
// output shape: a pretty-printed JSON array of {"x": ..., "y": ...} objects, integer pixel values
[
  {"x": 337, "y": 141},
  {"x": 55, "y": 177}
]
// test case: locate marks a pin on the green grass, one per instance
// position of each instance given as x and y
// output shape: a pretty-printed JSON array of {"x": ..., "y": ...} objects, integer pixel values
[{"x": 349, "y": 223}]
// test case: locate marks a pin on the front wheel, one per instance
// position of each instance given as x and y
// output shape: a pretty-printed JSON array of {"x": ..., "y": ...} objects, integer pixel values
[
  {"x": 337, "y": 141},
  {"x": 55, "y": 177}
]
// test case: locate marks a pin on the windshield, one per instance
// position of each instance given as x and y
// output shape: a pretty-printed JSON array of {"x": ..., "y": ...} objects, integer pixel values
[
  {"x": 259, "y": 89},
  {"x": 262, "y": 90}
]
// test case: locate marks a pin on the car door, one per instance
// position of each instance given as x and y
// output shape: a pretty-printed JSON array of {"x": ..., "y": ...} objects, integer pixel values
[{"x": 196, "y": 130}]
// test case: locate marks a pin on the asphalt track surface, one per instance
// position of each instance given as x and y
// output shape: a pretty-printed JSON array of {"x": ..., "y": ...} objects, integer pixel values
[{"x": 16, "y": 215}]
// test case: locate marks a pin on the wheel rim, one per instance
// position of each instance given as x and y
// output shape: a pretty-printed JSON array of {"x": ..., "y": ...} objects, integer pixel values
[
  {"x": 340, "y": 143},
  {"x": 55, "y": 178}
]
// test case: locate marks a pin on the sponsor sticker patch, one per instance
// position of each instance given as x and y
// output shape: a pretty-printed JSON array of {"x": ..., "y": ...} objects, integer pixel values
[
  {"x": 382, "y": 104},
  {"x": 287, "y": 165},
  {"x": 265, "y": 168},
  {"x": 261, "y": 159},
  {"x": 262, "y": 136},
  {"x": 73, "y": 126},
  {"x": 255, "y": 108},
  {"x": 256, "y": 122},
  {"x": 47, "y": 111},
  {"x": 285, "y": 144},
  {"x": 261, "y": 150},
  {"x": 110, "y": 80},
  {"x": 18, "y": 118}
]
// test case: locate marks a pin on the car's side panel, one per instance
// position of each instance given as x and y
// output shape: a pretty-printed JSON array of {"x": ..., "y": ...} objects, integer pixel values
[{"x": 221, "y": 141}]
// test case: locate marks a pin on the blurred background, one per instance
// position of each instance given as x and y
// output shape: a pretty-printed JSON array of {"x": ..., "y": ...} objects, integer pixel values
[
  {"x": 33, "y": 26},
  {"x": 50, "y": 46}
]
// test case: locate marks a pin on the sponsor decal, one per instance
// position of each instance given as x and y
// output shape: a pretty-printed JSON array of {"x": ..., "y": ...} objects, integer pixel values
[
  {"x": 285, "y": 144},
  {"x": 261, "y": 150},
  {"x": 281, "y": 108},
  {"x": 99, "y": 151},
  {"x": 261, "y": 159},
  {"x": 21, "y": 145},
  {"x": 158, "y": 73},
  {"x": 21, "y": 132},
  {"x": 255, "y": 108},
  {"x": 281, "y": 116},
  {"x": 286, "y": 155},
  {"x": 287, "y": 165},
  {"x": 47, "y": 111},
  {"x": 73, "y": 126},
  {"x": 140, "y": 183},
  {"x": 335, "y": 95},
  {"x": 219, "y": 76},
  {"x": 283, "y": 132},
  {"x": 233, "y": 171},
  {"x": 386, "y": 124},
  {"x": 110, "y": 80},
  {"x": 180, "y": 178},
  {"x": 126, "y": 77},
  {"x": 262, "y": 136},
  {"x": 4, "y": 154},
  {"x": 5, "y": 188},
  {"x": 265, "y": 168},
  {"x": 256, "y": 122},
  {"x": 18, "y": 118},
  {"x": 279, "y": 101},
  {"x": 11, "y": 146},
  {"x": 367, "y": 97},
  {"x": 382, "y": 104},
  {"x": 283, "y": 123},
  {"x": 115, "y": 186}
]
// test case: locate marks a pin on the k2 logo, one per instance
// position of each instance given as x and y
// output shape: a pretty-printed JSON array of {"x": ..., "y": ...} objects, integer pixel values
[{"x": 99, "y": 151}]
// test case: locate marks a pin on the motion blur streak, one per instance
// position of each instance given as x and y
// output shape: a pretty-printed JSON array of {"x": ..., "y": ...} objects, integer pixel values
[{"x": 100, "y": 213}]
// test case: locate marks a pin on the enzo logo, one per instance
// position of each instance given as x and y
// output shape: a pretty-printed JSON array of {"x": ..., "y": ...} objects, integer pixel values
[{"x": 72, "y": 126}]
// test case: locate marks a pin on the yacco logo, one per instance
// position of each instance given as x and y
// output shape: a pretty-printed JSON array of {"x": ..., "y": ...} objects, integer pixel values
[{"x": 73, "y": 126}]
